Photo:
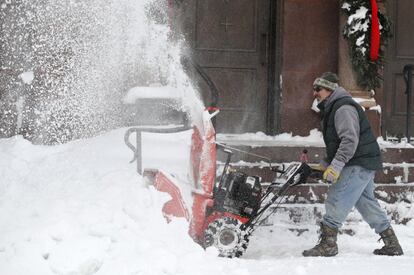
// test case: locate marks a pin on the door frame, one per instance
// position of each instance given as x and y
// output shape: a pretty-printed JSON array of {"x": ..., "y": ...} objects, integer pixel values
[
  {"x": 275, "y": 58},
  {"x": 391, "y": 121}
]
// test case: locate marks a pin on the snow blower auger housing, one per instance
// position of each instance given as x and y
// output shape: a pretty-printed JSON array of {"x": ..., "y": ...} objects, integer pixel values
[{"x": 224, "y": 213}]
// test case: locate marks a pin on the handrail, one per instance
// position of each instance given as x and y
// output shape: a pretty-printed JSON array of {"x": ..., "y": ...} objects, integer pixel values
[
  {"x": 408, "y": 77},
  {"x": 137, "y": 149}
]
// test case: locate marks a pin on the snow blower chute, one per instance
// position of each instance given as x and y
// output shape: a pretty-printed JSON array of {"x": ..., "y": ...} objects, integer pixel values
[{"x": 225, "y": 208}]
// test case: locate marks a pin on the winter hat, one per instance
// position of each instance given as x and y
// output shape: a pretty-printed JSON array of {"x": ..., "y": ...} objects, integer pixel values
[{"x": 327, "y": 80}]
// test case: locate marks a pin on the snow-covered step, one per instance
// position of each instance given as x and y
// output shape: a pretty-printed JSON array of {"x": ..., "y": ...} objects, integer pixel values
[
  {"x": 283, "y": 152},
  {"x": 393, "y": 173},
  {"x": 301, "y": 216},
  {"x": 316, "y": 193}
]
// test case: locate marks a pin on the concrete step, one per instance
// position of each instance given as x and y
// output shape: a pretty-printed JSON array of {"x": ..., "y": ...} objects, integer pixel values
[
  {"x": 316, "y": 193},
  {"x": 391, "y": 174},
  {"x": 280, "y": 154},
  {"x": 300, "y": 215}
]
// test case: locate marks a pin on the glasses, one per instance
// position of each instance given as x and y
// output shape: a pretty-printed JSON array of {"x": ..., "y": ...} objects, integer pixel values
[{"x": 317, "y": 89}]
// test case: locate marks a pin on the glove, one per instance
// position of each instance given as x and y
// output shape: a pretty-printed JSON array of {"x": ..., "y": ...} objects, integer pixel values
[
  {"x": 333, "y": 171},
  {"x": 321, "y": 166},
  {"x": 331, "y": 175}
]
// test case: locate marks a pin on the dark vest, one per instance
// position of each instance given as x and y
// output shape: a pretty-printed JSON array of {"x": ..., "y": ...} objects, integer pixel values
[{"x": 367, "y": 154}]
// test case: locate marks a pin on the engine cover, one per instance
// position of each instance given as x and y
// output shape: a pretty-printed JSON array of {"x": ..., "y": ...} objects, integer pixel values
[{"x": 238, "y": 194}]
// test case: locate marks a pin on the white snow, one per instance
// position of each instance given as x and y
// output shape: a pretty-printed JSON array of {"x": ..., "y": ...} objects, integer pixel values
[
  {"x": 346, "y": 6},
  {"x": 151, "y": 92},
  {"x": 285, "y": 139},
  {"x": 360, "y": 40},
  {"x": 376, "y": 108},
  {"x": 359, "y": 100},
  {"x": 388, "y": 144},
  {"x": 27, "y": 77},
  {"x": 358, "y": 21},
  {"x": 176, "y": 145},
  {"x": 359, "y": 14},
  {"x": 81, "y": 208}
]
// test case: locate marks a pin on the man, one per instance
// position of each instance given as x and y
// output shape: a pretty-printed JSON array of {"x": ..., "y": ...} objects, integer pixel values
[{"x": 353, "y": 156}]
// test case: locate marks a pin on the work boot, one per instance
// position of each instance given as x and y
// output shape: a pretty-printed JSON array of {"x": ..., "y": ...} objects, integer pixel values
[
  {"x": 327, "y": 246},
  {"x": 392, "y": 246}
]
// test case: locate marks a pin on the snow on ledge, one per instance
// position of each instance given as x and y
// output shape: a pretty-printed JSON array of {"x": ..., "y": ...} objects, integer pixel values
[
  {"x": 360, "y": 100},
  {"x": 160, "y": 92},
  {"x": 387, "y": 144},
  {"x": 260, "y": 139}
]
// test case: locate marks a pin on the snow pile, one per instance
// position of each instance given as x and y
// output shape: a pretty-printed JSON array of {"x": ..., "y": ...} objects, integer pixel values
[{"x": 80, "y": 208}]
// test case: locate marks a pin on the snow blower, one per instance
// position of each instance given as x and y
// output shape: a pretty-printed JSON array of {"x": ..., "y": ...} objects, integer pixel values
[{"x": 227, "y": 208}]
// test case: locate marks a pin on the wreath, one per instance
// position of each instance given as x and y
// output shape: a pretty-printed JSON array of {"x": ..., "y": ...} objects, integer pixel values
[{"x": 367, "y": 30}]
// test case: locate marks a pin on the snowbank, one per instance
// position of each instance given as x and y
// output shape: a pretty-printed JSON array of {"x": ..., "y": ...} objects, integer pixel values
[{"x": 81, "y": 208}]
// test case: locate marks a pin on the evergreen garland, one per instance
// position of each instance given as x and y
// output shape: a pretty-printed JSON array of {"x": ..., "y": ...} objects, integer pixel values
[{"x": 357, "y": 31}]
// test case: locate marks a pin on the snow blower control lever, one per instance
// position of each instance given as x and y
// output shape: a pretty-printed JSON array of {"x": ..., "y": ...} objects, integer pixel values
[{"x": 294, "y": 175}]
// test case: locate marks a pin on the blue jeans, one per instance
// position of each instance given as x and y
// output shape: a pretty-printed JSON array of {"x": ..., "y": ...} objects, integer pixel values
[{"x": 355, "y": 187}]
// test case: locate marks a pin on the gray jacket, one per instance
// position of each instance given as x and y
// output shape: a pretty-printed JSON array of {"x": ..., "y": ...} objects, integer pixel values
[{"x": 346, "y": 126}]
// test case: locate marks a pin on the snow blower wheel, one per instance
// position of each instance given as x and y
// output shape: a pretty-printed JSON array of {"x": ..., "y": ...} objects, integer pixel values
[{"x": 226, "y": 235}]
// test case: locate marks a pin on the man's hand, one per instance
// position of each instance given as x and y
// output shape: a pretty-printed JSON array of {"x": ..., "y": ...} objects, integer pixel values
[
  {"x": 331, "y": 175},
  {"x": 333, "y": 171}
]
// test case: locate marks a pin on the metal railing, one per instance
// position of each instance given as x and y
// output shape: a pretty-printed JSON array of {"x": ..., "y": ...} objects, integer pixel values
[
  {"x": 408, "y": 77},
  {"x": 137, "y": 149},
  {"x": 214, "y": 95}
]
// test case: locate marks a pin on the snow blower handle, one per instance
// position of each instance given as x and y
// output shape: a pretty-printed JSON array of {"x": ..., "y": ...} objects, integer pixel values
[
  {"x": 226, "y": 166},
  {"x": 278, "y": 170},
  {"x": 295, "y": 174}
]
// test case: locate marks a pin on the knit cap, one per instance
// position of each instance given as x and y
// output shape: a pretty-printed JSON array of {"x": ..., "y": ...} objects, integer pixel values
[{"x": 327, "y": 80}]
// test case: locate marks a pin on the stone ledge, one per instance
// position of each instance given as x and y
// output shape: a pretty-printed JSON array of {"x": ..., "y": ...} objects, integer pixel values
[
  {"x": 392, "y": 173},
  {"x": 316, "y": 193},
  {"x": 280, "y": 154},
  {"x": 300, "y": 215}
]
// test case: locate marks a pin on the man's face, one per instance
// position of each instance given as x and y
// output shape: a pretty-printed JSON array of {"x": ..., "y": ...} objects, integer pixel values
[{"x": 320, "y": 93}]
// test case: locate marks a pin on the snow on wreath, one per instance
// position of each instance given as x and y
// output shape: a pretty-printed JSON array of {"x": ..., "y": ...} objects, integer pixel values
[{"x": 367, "y": 30}]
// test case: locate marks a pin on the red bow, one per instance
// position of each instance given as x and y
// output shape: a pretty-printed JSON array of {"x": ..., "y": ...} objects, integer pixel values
[{"x": 375, "y": 32}]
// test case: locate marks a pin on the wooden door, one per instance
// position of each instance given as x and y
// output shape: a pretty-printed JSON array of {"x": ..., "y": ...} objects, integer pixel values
[
  {"x": 229, "y": 40},
  {"x": 399, "y": 53}
]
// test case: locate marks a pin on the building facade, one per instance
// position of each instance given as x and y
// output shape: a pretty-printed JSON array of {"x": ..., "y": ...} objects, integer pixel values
[{"x": 263, "y": 56}]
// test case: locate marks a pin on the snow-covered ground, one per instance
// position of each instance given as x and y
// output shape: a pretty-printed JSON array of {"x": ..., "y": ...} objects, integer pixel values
[{"x": 81, "y": 208}]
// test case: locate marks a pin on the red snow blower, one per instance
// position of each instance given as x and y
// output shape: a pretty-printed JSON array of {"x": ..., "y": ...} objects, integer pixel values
[{"x": 226, "y": 209}]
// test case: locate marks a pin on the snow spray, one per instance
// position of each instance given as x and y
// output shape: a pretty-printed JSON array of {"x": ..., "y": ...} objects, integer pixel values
[{"x": 83, "y": 56}]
